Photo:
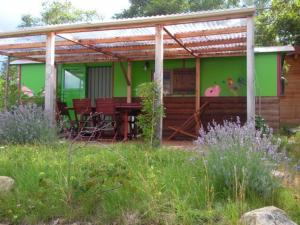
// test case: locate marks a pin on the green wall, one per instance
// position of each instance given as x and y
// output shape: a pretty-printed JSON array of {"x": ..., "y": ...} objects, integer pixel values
[
  {"x": 229, "y": 73},
  {"x": 266, "y": 74},
  {"x": 33, "y": 77}
]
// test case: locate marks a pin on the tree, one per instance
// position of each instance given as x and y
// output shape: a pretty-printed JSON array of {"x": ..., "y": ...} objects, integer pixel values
[
  {"x": 153, "y": 7},
  {"x": 160, "y": 7},
  {"x": 59, "y": 12},
  {"x": 280, "y": 24},
  {"x": 12, "y": 85},
  {"x": 196, "y": 5}
]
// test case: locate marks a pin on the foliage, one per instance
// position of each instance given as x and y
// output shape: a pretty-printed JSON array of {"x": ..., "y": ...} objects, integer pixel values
[
  {"x": 59, "y": 12},
  {"x": 260, "y": 124},
  {"x": 280, "y": 24},
  {"x": 237, "y": 159},
  {"x": 160, "y": 7},
  {"x": 25, "y": 124},
  {"x": 239, "y": 174},
  {"x": 117, "y": 184},
  {"x": 234, "y": 135},
  {"x": 38, "y": 99},
  {"x": 150, "y": 115},
  {"x": 13, "y": 94}
]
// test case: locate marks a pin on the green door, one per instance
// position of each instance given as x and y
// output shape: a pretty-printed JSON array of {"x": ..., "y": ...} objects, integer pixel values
[{"x": 73, "y": 84}]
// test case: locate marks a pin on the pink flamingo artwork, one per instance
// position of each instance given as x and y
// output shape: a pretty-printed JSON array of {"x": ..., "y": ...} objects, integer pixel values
[
  {"x": 213, "y": 91},
  {"x": 27, "y": 91}
]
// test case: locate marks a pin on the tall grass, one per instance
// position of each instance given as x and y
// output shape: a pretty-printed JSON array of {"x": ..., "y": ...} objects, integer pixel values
[{"x": 119, "y": 184}]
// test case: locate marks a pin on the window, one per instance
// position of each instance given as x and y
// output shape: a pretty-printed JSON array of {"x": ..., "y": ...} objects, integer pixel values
[
  {"x": 179, "y": 81},
  {"x": 72, "y": 80}
]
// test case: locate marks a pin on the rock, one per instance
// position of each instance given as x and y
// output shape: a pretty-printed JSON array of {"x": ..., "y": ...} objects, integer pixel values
[
  {"x": 266, "y": 216},
  {"x": 6, "y": 183}
]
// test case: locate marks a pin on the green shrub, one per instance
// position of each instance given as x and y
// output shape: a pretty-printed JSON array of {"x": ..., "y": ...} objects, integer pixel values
[
  {"x": 25, "y": 124},
  {"x": 148, "y": 119},
  {"x": 237, "y": 172},
  {"x": 240, "y": 159}
]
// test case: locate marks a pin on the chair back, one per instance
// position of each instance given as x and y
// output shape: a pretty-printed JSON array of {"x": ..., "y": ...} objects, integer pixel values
[
  {"x": 82, "y": 106},
  {"x": 61, "y": 108},
  {"x": 105, "y": 106}
]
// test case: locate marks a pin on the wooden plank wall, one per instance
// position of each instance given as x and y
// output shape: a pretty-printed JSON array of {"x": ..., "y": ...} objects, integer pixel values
[
  {"x": 290, "y": 101},
  {"x": 178, "y": 109},
  {"x": 268, "y": 108}
]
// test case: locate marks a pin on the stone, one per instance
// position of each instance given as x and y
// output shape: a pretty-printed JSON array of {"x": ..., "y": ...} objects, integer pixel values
[
  {"x": 266, "y": 216},
  {"x": 6, "y": 183}
]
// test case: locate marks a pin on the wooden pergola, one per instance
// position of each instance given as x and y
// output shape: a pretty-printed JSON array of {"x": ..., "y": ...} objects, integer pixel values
[{"x": 196, "y": 35}]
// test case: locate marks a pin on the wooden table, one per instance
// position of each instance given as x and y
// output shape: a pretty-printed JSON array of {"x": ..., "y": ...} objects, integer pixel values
[{"x": 126, "y": 109}]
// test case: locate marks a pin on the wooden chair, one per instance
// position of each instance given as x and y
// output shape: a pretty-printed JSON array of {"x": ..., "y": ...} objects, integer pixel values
[
  {"x": 194, "y": 121},
  {"x": 82, "y": 110},
  {"x": 64, "y": 120},
  {"x": 108, "y": 122}
]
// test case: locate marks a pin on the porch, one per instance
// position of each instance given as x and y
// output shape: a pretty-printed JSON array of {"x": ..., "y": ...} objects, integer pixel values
[{"x": 190, "y": 37}]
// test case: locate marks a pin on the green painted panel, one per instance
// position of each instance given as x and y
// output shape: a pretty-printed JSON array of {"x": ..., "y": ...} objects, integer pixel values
[
  {"x": 266, "y": 74},
  {"x": 120, "y": 85},
  {"x": 228, "y": 73},
  {"x": 33, "y": 77},
  {"x": 140, "y": 75}
]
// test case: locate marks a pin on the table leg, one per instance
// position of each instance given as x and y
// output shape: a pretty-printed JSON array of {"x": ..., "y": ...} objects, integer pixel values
[{"x": 125, "y": 121}]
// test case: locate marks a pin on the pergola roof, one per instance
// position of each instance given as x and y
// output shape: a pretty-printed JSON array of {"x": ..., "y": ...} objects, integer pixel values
[{"x": 199, "y": 34}]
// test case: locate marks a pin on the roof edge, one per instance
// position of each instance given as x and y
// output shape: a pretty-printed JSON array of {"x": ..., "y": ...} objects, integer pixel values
[
  {"x": 285, "y": 48},
  {"x": 136, "y": 22}
]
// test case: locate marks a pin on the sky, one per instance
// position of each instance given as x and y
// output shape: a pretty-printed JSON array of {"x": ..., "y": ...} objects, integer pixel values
[{"x": 12, "y": 10}]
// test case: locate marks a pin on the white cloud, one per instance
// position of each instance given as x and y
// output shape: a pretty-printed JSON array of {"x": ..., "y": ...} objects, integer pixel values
[{"x": 12, "y": 10}]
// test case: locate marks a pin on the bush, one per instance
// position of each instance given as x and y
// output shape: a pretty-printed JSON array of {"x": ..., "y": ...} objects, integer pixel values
[
  {"x": 25, "y": 124},
  {"x": 234, "y": 135},
  {"x": 147, "y": 121},
  {"x": 239, "y": 161}
]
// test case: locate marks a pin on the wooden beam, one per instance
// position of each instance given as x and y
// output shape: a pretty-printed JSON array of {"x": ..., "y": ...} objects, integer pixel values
[
  {"x": 135, "y": 47},
  {"x": 201, "y": 33},
  {"x": 129, "y": 89},
  {"x": 128, "y": 82},
  {"x": 23, "y": 57},
  {"x": 92, "y": 47},
  {"x": 179, "y": 42},
  {"x": 158, "y": 78},
  {"x": 19, "y": 82},
  {"x": 197, "y": 105},
  {"x": 142, "y": 58},
  {"x": 6, "y": 93},
  {"x": 148, "y": 53},
  {"x": 50, "y": 81},
  {"x": 250, "y": 71}
]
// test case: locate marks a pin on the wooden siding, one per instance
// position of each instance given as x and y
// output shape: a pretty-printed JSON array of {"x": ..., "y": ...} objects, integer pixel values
[
  {"x": 178, "y": 109},
  {"x": 290, "y": 101},
  {"x": 268, "y": 108}
]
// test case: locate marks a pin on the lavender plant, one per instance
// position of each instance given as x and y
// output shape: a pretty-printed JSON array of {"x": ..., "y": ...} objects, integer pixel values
[
  {"x": 234, "y": 135},
  {"x": 25, "y": 124},
  {"x": 239, "y": 156}
]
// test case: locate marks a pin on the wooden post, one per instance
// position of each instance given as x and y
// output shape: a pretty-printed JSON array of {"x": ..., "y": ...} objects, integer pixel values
[
  {"x": 250, "y": 70},
  {"x": 129, "y": 90},
  {"x": 50, "y": 81},
  {"x": 19, "y": 83},
  {"x": 197, "y": 84},
  {"x": 6, "y": 84},
  {"x": 158, "y": 78}
]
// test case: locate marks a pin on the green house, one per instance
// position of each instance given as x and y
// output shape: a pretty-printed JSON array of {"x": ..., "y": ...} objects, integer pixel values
[{"x": 194, "y": 58}]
